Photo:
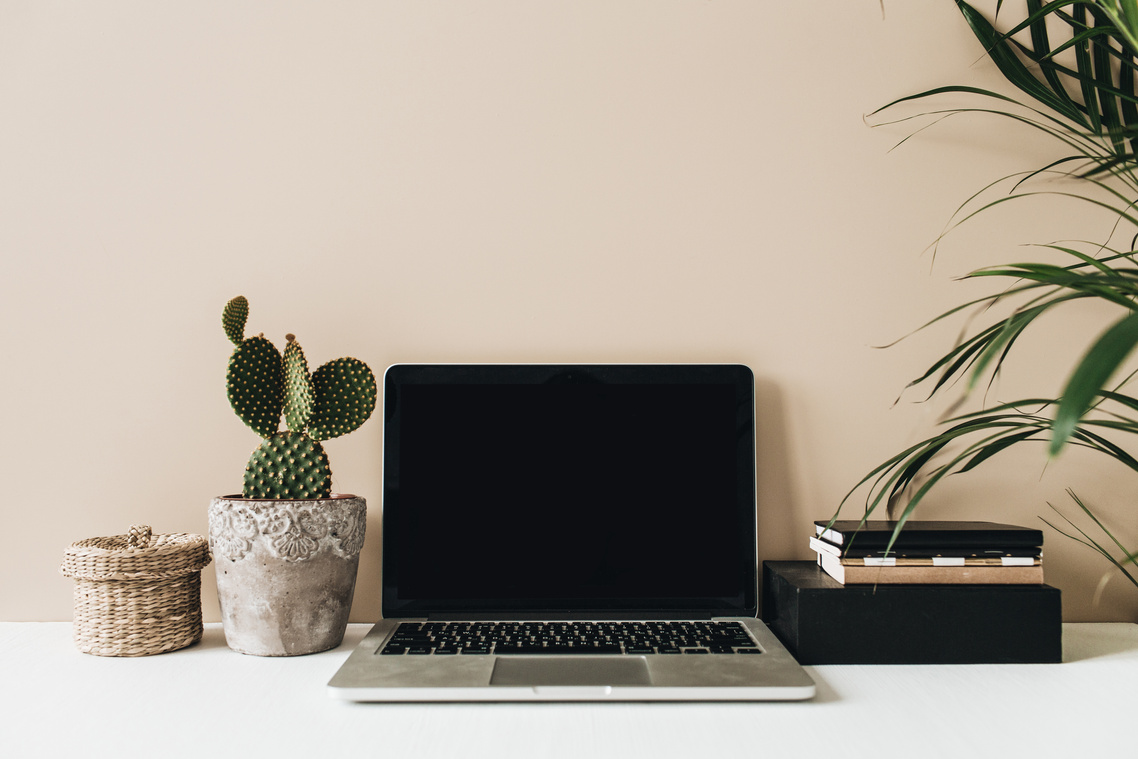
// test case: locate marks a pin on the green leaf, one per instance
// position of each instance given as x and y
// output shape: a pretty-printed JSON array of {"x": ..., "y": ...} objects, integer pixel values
[
  {"x": 1012, "y": 328},
  {"x": 1039, "y": 39},
  {"x": 1090, "y": 107},
  {"x": 997, "y": 47},
  {"x": 1107, "y": 97},
  {"x": 1091, "y": 375},
  {"x": 1086, "y": 72},
  {"x": 991, "y": 450},
  {"x": 1090, "y": 542},
  {"x": 1126, "y": 400}
]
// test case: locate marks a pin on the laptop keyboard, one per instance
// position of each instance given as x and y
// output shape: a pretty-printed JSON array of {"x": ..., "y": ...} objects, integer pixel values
[{"x": 486, "y": 638}]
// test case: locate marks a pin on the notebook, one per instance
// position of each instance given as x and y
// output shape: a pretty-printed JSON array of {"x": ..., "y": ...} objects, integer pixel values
[{"x": 569, "y": 532}]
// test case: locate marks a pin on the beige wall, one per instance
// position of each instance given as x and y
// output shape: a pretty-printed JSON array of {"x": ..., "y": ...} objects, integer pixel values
[{"x": 488, "y": 181}]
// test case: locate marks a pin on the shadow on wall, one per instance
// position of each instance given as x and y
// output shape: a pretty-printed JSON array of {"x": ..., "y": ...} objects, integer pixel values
[
  {"x": 778, "y": 536},
  {"x": 369, "y": 578}
]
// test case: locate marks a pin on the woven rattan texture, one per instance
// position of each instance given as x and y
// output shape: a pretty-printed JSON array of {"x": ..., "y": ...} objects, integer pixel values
[{"x": 137, "y": 594}]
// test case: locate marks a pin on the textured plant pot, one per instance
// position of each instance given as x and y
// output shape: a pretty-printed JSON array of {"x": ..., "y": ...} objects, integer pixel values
[{"x": 286, "y": 571}]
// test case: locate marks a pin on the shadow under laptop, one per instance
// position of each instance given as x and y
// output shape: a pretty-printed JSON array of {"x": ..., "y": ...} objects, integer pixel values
[{"x": 825, "y": 695}]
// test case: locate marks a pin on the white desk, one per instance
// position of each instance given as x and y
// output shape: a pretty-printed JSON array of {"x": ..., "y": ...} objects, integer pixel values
[{"x": 207, "y": 701}]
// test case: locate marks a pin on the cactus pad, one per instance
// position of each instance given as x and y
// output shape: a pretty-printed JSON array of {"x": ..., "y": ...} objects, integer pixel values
[
  {"x": 288, "y": 465},
  {"x": 262, "y": 384},
  {"x": 298, "y": 396},
  {"x": 256, "y": 385},
  {"x": 233, "y": 319},
  {"x": 345, "y": 393}
]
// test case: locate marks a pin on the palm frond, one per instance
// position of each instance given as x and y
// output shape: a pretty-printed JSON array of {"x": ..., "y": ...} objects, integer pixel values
[
  {"x": 1091, "y": 374},
  {"x": 1129, "y": 557},
  {"x": 1073, "y": 67}
]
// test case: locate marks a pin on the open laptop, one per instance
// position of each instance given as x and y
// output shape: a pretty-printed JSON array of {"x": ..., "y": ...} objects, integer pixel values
[{"x": 569, "y": 532}]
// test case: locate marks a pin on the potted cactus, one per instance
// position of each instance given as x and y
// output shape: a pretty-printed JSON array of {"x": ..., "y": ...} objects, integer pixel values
[{"x": 287, "y": 548}]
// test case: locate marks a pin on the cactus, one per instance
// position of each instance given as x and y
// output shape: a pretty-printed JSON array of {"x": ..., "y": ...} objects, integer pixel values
[
  {"x": 263, "y": 384},
  {"x": 345, "y": 396},
  {"x": 288, "y": 465},
  {"x": 298, "y": 398},
  {"x": 233, "y": 319},
  {"x": 256, "y": 384}
]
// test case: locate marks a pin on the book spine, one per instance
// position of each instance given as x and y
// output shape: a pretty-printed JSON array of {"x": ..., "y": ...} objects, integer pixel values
[
  {"x": 943, "y": 539},
  {"x": 821, "y": 546},
  {"x": 940, "y": 561},
  {"x": 946, "y": 557},
  {"x": 854, "y": 574}
]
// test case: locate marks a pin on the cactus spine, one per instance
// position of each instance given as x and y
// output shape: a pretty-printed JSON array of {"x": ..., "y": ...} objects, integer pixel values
[{"x": 263, "y": 384}]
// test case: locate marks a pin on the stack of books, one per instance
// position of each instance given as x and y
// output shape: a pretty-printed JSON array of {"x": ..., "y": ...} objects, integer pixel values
[{"x": 929, "y": 552}]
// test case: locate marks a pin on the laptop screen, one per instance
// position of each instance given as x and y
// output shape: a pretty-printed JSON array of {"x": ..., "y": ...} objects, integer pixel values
[{"x": 522, "y": 489}]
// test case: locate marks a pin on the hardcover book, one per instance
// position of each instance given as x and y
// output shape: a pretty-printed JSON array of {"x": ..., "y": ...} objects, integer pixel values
[
  {"x": 935, "y": 556},
  {"x": 856, "y": 572},
  {"x": 876, "y": 534}
]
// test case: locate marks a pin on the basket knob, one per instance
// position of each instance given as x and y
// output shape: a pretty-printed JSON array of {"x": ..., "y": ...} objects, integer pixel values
[{"x": 139, "y": 536}]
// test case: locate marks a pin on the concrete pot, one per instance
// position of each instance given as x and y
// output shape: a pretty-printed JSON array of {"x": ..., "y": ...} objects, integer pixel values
[{"x": 286, "y": 571}]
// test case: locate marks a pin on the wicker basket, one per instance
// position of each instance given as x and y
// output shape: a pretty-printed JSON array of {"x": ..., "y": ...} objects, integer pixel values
[{"x": 137, "y": 594}]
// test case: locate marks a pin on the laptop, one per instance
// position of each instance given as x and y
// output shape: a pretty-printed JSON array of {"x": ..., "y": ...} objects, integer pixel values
[{"x": 569, "y": 532}]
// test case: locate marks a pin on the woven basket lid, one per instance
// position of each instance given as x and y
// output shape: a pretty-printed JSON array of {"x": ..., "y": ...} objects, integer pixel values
[{"x": 137, "y": 555}]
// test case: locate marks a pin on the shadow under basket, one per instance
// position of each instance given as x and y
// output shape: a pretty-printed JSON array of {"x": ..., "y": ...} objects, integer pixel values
[{"x": 137, "y": 594}]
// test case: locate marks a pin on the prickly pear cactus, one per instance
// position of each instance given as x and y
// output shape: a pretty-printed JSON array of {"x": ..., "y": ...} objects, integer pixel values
[
  {"x": 288, "y": 465},
  {"x": 233, "y": 319},
  {"x": 299, "y": 397},
  {"x": 345, "y": 397},
  {"x": 256, "y": 384},
  {"x": 263, "y": 384}
]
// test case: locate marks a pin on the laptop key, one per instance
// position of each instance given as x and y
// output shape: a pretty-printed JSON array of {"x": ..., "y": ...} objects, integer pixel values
[
  {"x": 533, "y": 649},
  {"x": 570, "y": 638}
]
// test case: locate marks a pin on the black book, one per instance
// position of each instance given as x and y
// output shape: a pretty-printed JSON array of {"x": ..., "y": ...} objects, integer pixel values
[
  {"x": 876, "y": 534},
  {"x": 923, "y": 554}
]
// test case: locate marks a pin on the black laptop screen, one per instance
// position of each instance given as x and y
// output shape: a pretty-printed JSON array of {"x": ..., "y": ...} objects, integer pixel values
[{"x": 571, "y": 489}]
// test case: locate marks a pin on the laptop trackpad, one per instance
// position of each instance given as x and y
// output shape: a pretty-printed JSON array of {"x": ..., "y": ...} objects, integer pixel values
[{"x": 570, "y": 670}]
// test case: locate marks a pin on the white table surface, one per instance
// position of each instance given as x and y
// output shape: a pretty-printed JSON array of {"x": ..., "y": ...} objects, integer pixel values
[{"x": 208, "y": 701}]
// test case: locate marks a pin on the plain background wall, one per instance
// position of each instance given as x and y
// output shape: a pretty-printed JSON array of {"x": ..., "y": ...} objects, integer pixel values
[{"x": 661, "y": 180}]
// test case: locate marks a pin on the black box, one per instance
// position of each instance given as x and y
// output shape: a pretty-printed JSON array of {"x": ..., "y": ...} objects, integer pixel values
[{"x": 822, "y": 621}]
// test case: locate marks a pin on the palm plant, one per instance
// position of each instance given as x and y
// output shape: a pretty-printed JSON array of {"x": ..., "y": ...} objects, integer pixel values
[{"x": 1083, "y": 93}]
